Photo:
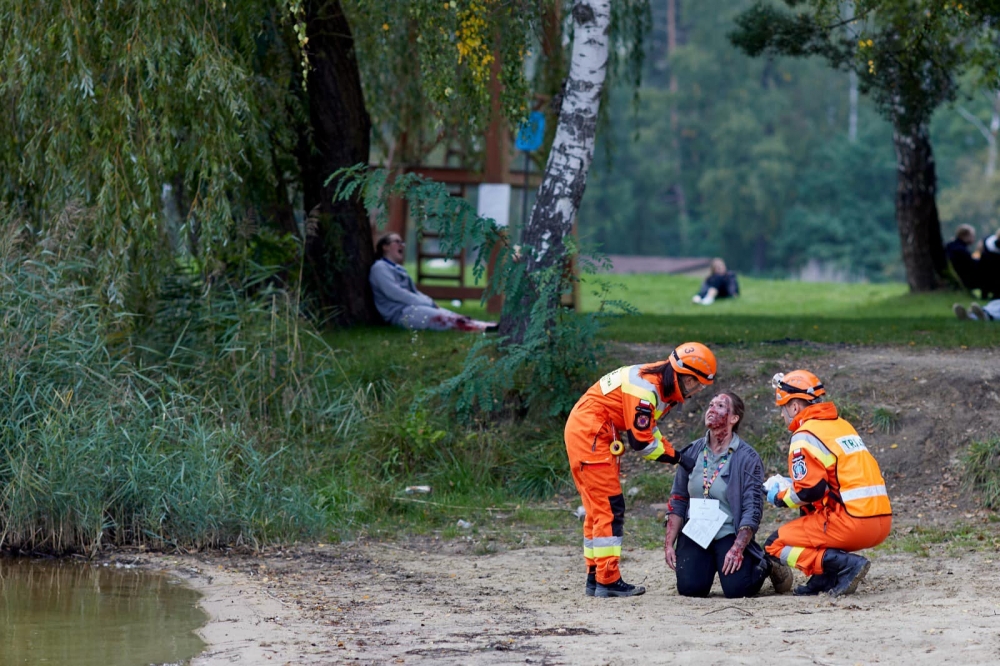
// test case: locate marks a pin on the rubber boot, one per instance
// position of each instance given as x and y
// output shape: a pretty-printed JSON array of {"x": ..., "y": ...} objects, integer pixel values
[
  {"x": 591, "y": 581},
  {"x": 780, "y": 575},
  {"x": 848, "y": 568},
  {"x": 815, "y": 585},
  {"x": 619, "y": 588}
]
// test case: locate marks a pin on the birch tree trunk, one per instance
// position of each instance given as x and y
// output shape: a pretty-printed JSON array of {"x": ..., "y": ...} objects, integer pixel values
[
  {"x": 683, "y": 220},
  {"x": 991, "y": 155},
  {"x": 565, "y": 178},
  {"x": 847, "y": 11}
]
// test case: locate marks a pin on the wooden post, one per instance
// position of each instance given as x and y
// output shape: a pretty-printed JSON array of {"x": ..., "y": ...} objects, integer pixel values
[{"x": 497, "y": 157}]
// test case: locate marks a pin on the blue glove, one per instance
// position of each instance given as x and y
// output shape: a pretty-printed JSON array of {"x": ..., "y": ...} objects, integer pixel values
[{"x": 772, "y": 493}]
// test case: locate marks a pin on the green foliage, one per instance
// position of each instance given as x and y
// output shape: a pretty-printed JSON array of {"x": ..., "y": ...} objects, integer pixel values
[
  {"x": 543, "y": 371},
  {"x": 982, "y": 470},
  {"x": 202, "y": 429},
  {"x": 104, "y": 104},
  {"x": 907, "y": 53},
  {"x": 746, "y": 161},
  {"x": 843, "y": 217},
  {"x": 425, "y": 62}
]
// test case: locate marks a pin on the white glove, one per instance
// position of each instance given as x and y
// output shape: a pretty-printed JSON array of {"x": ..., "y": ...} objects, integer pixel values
[{"x": 777, "y": 481}]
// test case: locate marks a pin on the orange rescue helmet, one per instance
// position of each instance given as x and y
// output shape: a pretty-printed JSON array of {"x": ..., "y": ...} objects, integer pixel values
[
  {"x": 695, "y": 359},
  {"x": 800, "y": 384}
]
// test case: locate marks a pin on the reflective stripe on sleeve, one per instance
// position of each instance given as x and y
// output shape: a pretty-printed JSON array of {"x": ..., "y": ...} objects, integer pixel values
[
  {"x": 805, "y": 440},
  {"x": 791, "y": 499},
  {"x": 639, "y": 387},
  {"x": 863, "y": 492},
  {"x": 656, "y": 449}
]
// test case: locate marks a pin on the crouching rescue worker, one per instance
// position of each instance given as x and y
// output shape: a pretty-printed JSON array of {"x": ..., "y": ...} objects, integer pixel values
[
  {"x": 620, "y": 411},
  {"x": 837, "y": 485}
]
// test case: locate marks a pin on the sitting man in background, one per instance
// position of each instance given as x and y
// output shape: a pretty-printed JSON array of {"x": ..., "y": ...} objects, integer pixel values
[
  {"x": 960, "y": 257},
  {"x": 398, "y": 300},
  {"x": 720, "y": 283}
]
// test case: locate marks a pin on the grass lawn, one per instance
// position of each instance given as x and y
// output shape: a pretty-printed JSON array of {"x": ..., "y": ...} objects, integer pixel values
[
  {"x": 518, "y": 467},
  {"x": 779, "y": 310}
]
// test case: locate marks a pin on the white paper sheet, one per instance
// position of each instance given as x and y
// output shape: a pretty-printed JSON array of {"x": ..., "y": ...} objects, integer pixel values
[
  {"x": 703, "y": 509},
  {"x": 703, "y": 531},
  {"x": 706, "y": 519}
]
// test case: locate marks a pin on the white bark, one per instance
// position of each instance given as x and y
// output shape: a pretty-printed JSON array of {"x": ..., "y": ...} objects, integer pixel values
[
  {"x": 991, "y": 159},
  {"x": 847, "y": 10},
  {"x": 989, "y": 133},
  {"x": 573, "y": 148}
]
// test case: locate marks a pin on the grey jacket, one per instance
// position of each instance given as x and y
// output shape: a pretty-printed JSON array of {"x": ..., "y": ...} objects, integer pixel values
[
  {"x": 394, "y": 290},
  {"x": 744, "y": 476}
]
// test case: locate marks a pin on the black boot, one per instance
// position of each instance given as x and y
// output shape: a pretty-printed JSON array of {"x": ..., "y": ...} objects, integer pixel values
[
  {"x": 848, "y": 569},
  {"x": 591, "y": 581},
  {"x": 815, "y": 585},
  {"x": 619, "y": 588}
]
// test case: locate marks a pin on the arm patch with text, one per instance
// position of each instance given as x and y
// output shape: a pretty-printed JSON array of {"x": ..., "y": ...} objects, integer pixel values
[
  {"x": 798, "y": 467},
  {"x": 643, "y": 418}
]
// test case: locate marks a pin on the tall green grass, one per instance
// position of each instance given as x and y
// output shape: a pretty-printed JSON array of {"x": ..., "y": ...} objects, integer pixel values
[
  {"x": 198, "y": 426},
  {"x": 982, "y": 470},
  {"x": 220, "y": 417}
]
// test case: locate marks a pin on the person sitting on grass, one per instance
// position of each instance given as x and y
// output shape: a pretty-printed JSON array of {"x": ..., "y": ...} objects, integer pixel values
[
  {"x": 977, "y": 312},
  {"x": 399, "y": 302},
  {"x": 966, "y": 266},
  {"x": 720, "y": 283}
]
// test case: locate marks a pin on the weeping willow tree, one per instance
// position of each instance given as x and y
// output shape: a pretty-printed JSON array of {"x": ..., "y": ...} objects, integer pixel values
[{"x": 104, "y": 104}]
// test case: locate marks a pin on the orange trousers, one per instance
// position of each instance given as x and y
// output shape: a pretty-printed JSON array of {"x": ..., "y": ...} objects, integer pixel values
[
  {"x": 802, "y": 542},
  {"x": 603, "y": 526}
]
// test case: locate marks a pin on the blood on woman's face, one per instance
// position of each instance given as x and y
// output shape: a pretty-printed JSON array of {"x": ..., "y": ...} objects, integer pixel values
[{"x": 718, "y": 413}]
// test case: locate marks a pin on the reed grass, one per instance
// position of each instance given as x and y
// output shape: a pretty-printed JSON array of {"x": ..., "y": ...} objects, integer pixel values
[
  {"x": 195, "y": 426},
  {"x": 982, "y": 470}
]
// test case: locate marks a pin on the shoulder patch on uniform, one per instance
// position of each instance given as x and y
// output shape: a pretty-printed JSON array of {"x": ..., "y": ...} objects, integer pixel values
[
  {"x": 643, "y": 417},
  {"x": 798, "y": 467}
]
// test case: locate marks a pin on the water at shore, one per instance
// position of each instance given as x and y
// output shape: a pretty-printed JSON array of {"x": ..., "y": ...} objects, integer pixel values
[{"x": 68, "y": 613}]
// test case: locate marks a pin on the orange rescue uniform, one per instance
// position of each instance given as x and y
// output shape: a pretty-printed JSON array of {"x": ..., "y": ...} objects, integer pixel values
[
  {"x": 625, "y": 405},
  {"x": 839, "y": 487}
]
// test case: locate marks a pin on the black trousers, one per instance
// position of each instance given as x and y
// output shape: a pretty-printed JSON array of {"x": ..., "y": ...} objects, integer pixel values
[{"x": 697, "y": 567}]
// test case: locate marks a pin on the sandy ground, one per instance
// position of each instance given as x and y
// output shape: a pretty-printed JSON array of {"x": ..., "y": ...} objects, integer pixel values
[
  {"x": 376, "y": 603},
  {"x": 442, "y": 602}
]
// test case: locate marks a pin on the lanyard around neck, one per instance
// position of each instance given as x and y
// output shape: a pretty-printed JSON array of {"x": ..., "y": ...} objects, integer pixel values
[{"x": 705, "y": 482}]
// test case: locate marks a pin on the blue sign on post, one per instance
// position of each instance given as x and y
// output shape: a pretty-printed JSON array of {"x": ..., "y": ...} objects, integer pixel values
[
  {"x": 532, "y": 132},
  {"x": 529, "y": 139}
]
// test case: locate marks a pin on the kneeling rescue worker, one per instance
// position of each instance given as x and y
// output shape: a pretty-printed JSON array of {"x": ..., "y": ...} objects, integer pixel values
[
  {"x": 837, "y": 485},
  {"x": 623, "y": 408}
]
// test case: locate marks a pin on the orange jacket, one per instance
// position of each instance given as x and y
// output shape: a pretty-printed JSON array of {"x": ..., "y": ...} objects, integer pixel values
[
  {"x": 627, "y": 402},
  {"x": 829, "y": 462}
]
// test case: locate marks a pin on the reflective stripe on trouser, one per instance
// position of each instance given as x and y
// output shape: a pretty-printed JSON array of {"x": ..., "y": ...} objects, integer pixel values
[
  {"x": 601, "y": 494},
  {"x": 802, "y": 542}
]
